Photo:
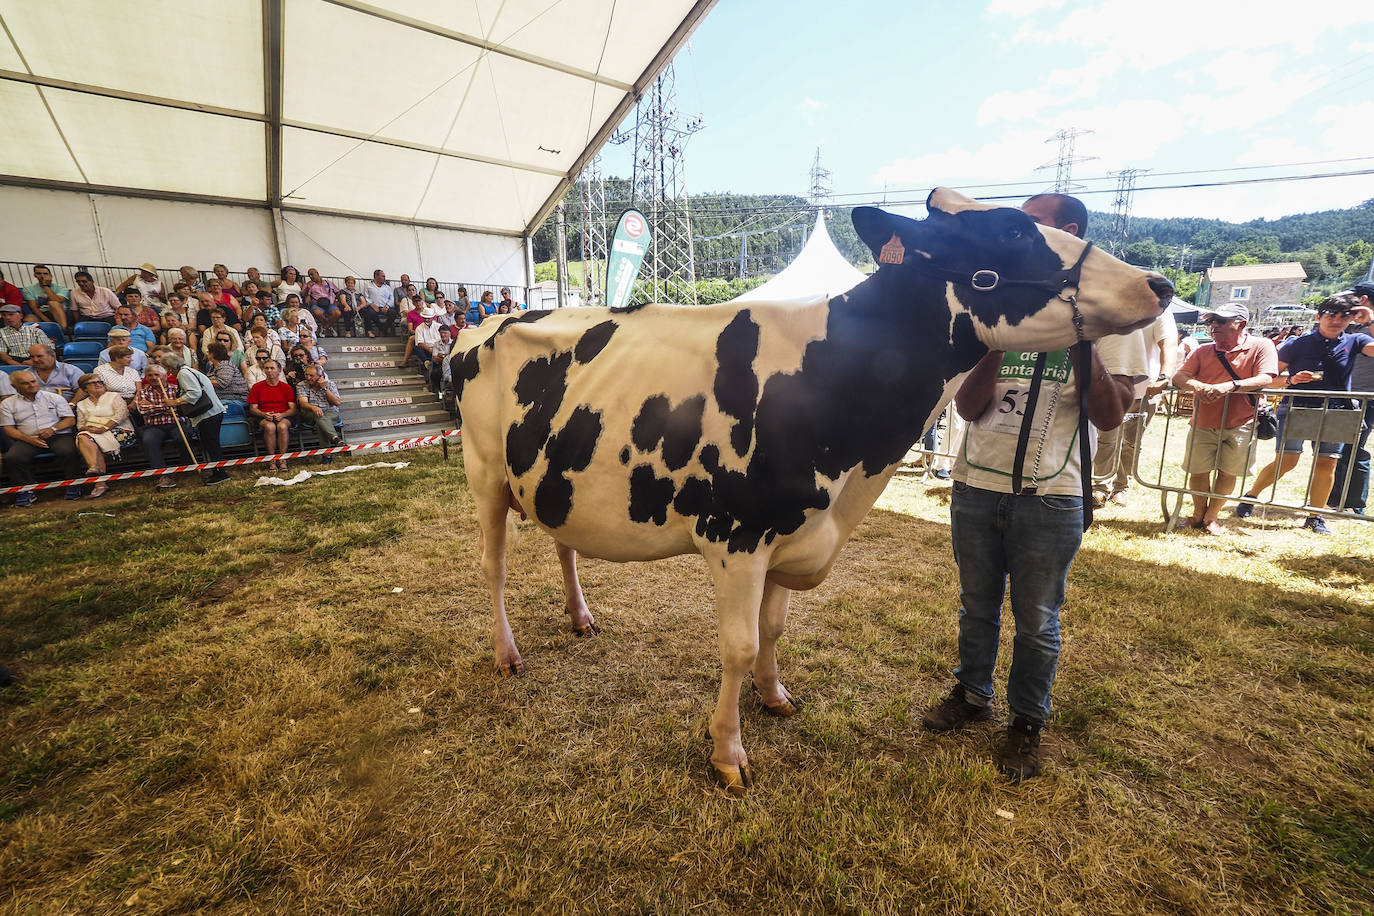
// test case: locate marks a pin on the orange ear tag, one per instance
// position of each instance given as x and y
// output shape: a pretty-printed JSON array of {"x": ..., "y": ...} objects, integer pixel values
[{"x": 894, "y": 252}]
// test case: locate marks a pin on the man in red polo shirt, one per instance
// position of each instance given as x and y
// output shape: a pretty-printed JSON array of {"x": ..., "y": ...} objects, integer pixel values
[
  {"x": 1222, "y": 437},
  {"x": 273, "y": 402},
  {"x": 9, "y": 293}
]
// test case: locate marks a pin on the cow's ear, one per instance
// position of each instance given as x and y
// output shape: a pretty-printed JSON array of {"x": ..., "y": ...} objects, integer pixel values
[
  {"x": 874, "y": 226},
  {"x": 946, "y": 200}
]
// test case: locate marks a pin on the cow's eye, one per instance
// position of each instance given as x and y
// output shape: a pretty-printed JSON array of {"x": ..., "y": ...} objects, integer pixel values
[{"x": 1012, "y": 234}]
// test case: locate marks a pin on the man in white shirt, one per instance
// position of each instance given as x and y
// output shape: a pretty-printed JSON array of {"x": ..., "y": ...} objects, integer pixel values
[
  {"x": 93, "y": 303},
  {"x": 380, "y": 310},
  {"x": 38, "y": 421},
  {"x": 427, "y": 341}
]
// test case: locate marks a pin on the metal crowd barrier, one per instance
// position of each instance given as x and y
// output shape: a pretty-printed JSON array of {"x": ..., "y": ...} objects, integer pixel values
[{"x": 1341, "y": 417}]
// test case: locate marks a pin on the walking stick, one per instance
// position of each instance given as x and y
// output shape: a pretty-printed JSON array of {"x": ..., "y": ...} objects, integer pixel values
[{"x": 176, "y": 419}]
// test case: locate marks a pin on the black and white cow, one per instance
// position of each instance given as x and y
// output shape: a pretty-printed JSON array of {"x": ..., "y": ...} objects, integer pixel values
[{"x": 759, "y": 435}]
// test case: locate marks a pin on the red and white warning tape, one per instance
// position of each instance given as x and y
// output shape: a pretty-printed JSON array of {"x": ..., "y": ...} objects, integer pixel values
[{"x": 394, "y": 445}]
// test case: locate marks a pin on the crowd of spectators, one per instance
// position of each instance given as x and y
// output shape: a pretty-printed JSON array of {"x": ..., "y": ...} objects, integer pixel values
[{"x": 175, "y": 357}]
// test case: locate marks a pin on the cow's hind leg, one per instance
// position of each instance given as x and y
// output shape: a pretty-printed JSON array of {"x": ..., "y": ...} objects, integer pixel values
[
  {"x": 576, "y": 605},
  {"x": 772, "y": 619},
  {"x": 491, "y": 522},
  {"x": 738, "y": 593}
]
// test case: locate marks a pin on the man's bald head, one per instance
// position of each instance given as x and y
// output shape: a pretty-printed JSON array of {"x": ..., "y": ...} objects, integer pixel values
[{"x": 1059, "y": 211}]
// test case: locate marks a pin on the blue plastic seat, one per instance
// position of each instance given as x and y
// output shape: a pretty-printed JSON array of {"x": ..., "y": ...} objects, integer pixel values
[
  {"x": 13, "y": 369},
  {"x": 233, "y": 433},
  {"x": 54, "y": 332},
  {"x": 91, "y": 330},
  {"x": 82, "y": 349},
  {"x": 85, "y": 365}
]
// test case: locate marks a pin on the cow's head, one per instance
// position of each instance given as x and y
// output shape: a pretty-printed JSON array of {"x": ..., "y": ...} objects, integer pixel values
[{"x": 1014, "y": 278}]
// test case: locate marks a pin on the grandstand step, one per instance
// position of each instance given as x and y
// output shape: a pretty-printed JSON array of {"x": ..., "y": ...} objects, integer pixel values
[
  {"x": 403, "y": 432},
  {"x": 367, "y": 398},
  {"x": 401, "y": 421}
]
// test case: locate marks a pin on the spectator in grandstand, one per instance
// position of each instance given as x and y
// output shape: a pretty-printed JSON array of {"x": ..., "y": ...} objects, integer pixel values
[
  {"x": 431, "y": 287},
  {"x": 273, "y": 403},
  {"x": 288, "y": 284},
  {"x": 403, "y": 288},
  {"x": 269, "y": 308},
  {"x": 10, "y": 294},
  {"x": 449, "y": 314},
  {"x": 217, "y": 331},
  {"x": 229, "y": 286},
  {"x": 261, "y": 338},
  {"x": 45, "y": 300},
  {"x": 38, "y": 421},
  {"x": 229, "y": 304},
  {"x": 1221, "y": 440},
  {"x": 61, "y": 379},
  {"x": 160, "y": 420},
  {"x": 510, "y": 304},
  {"x": 198, "y": 402},
  {"x": 351, "y": 307},
  {"x": 191, "y": 277},
  {"x": 6, "y": 389},
  {"x": 480, "y": 310},
  {"x": 91, "y": 302},
  {"x": 177, "y": 305},
  {"x": 145, "y": 280},
  {"x": 176, "y": 342},
  {"x": 317, "y": 355},
  {"x": 171, "y": 321},
  {"x": 319, "y": 298},
  {"x": 255, "y": 275},
  {"x": 17, "y": 336},
  {"x": 117, "y": 369},
  {"x": 227, "y": 378},
  {"x": 296, "y": 320},
  {"x": 248, "y": 303},
  {"x": 427, "y": 344},
  {"x": 293, "y": 370},
  {"x": 139, "y": 335},
  {"x": 1320, "y": 360},
  {"x": 252, "y": 366},
  {"x": 144, "y": 314},
  {"x": 318, "y": 400},
  {"x": 379, "y": 310},
  {"x": 439, "y": 356},
  {"x": 102, "y": 428}
]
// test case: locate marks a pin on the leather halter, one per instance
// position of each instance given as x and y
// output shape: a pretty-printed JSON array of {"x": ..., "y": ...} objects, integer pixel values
[{"x": 985, "y": 280}]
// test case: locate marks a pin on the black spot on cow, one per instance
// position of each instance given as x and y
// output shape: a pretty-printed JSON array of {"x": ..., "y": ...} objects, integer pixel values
[
  {"x": 736, "y": 386},
  {"x": 968, "y": 349},
  {"x": 508, "y": 320},
  {"x": 569, "y": 449},
  {"x": 678, "y": 428},
  {"x": 650, "y": 495},
  {"x": 593, "y": 341},
  {"x": 625, "y": 455},
  {"x": 463, "y": 367},
  {"x": 627, "y": 309},
  {"x": 541, "y": 384}
]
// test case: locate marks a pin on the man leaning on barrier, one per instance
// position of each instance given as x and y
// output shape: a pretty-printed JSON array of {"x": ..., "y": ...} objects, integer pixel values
[
  {"x": 1221, "y": 439},
  {"x": 1320, "y": 360}
]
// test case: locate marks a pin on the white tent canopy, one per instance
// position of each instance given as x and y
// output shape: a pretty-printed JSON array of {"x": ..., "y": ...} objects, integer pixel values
[
  {"x": 471, "y": 116},
  {"x": 818, "y": 269}
]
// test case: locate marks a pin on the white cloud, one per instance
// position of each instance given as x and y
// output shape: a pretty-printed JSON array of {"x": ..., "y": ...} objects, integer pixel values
[
  {"x": 810, "y": 110},
  {"x": 1019, "y": 9}
]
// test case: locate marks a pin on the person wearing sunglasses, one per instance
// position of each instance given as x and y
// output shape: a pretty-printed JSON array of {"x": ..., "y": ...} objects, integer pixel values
[
  {"x": 1320, "y": 360},
  {"x": 1355, "y": 496}
]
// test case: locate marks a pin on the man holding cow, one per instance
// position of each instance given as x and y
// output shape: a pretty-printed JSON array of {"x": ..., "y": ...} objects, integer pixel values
[{"x": 1016, "y": 514}]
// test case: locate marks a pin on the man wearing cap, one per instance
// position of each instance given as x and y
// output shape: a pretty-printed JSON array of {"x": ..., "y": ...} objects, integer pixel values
[
  {"x": 119, "y": 336},
  {"x": 145, "y": 281},
  {"x": 93, "y": 303},
  {"x": 17, "y": 336},
  {"x": 38, "y": 421},
  {"x": 1221, "y": 439},
  {"x": 1320, "y": 360},
  {"x": 1355, "y": 496}
]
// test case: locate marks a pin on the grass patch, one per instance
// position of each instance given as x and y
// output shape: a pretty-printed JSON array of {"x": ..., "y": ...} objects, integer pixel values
[{"x": 223, "y": 705}]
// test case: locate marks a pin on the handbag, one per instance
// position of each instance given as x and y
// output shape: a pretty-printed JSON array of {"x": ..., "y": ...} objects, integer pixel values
[
  {"x": 1266, "y": 421},
  {"x": 203, "y": 404}
]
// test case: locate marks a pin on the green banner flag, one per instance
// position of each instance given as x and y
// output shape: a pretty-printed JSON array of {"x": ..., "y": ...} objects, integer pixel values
[{"x": 628, "y": 248}]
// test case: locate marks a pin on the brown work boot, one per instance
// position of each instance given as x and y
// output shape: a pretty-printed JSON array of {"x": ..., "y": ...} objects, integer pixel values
[
  {"x": 955, "y": 712},
  {"x": 1019, "y": 757}
]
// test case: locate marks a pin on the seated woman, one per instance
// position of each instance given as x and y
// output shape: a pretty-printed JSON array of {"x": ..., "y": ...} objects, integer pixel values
[
  {"x": 293, "y": 371},
  {"x": 262, "y": 337},
  {"x": 118, "y": 375},
  {"x": 159, "y": 419},
  {"x": 102, "y": 428},
  {"x": 177, "y": 343},
  {"x": 229, "y": 286},
  {"x": 218, "y": 331},
  {"x": 229, "y": 382},
  {"x": 251, "y": 367},
  {"x": 175, "y": 315}
]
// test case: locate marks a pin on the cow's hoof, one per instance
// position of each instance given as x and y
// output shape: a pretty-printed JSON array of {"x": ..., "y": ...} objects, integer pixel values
[
  {"x": 584, "y": 632},
  {"x": 786, "y": 709},
  {"x": 734, "y": 780}
]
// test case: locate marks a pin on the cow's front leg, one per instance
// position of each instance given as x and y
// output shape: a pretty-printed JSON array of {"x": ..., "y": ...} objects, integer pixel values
[
  {"x": 772, "y": 619},
  {"x": 575, "y": 605},
  {"x": 491, "y": 522},
  {"x": 738, "y": 593}
]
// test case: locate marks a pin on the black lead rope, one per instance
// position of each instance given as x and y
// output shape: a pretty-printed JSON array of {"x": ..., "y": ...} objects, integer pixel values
[
  {"x": 1085, "y": 452},
  {"x": 1018, "y": 464}
]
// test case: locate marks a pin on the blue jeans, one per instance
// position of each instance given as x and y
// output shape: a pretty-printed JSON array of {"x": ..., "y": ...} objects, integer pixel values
[
  {"x": 1357, "y": 495},
  {"x": 1031, "y": 540}
]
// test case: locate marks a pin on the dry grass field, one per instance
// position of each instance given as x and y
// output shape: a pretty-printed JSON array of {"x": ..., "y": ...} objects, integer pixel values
[{"x": 223, "y": 706}]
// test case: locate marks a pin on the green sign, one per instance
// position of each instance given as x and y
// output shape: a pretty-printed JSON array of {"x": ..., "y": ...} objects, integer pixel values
[{"x": 628, "y": 248}]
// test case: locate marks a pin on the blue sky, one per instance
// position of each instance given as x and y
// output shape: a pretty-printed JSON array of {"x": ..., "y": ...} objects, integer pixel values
[{"x": 908, "y": 95}]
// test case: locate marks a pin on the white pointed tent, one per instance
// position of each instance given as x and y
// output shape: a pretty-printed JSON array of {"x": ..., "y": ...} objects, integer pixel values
[
  {"x": 818, "y": 269},
  {"x": 428, "y": 135}
]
